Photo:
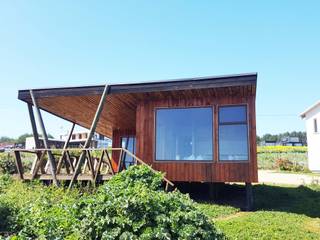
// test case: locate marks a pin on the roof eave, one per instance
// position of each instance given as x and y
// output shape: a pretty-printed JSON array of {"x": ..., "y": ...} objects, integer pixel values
[
  {"x": 303, "y": 114},
  {"x": 169, "y": 85}
]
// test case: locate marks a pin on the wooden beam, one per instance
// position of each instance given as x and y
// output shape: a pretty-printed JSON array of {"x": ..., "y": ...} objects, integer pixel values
[
  {"x": 35, "y": 137},
  {"x": 38, "y": 164},
  {"x": 34, "y": 126},
  {"x": 45, "y": 139},
  {"x": 63, "y": 154},
  {"x": 90, "y": 135}
]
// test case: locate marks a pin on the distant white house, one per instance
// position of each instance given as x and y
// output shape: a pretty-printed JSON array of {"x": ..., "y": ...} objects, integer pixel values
[
  {"x": 312, "y": 117},
  {"x": 77, "y": 140}
]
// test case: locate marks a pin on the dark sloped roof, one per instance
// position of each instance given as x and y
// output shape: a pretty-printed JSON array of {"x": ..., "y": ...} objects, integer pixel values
[{"x": 153, "y": 86}]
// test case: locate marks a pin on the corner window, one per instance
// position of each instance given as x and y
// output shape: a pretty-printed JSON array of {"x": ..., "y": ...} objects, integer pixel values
[
  {"x": 233, "y": 133},
  {"x": 128, "y": 143},
  {"x": 184, "y": 134},
  {"x": 315, "y": 125}
]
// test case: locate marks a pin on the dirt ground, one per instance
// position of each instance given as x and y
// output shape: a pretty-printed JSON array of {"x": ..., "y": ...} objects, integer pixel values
[{"x": 269, "y": 176}]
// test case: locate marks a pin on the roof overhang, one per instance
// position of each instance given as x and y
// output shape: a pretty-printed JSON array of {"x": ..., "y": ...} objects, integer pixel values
[
  {"x": 303, "y": 114},
  {"x": 155, "y": 86},
  {"x": 78, "y": 104}
]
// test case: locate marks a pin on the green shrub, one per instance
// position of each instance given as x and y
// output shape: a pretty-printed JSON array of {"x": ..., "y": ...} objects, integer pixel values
[
  {"x": 136, "y": 175},
  {"x": 269, "y": 160},
  {"x": 53, "y": 215},
  {"x": 131, "y": 205},
  {"x": 284, "y": 164},
  {"x": 7, "y": 164}
]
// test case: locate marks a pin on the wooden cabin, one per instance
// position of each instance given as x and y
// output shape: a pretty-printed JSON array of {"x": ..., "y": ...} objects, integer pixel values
[{"x": 195, "y": 129}]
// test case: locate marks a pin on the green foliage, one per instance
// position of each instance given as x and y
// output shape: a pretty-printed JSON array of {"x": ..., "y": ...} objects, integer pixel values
[
  {"x": 270, "y": 225},
  {"x": 131, "y": 205},
  {"x": 282, "y": 149},
  {"x": 52, "y": 215},
  {"x": 282, "y": 212},
  {"x": 5, "y": 139},
  {"x": 22, "y": 138},
  {"x": 143, "y": 213},
  {"x": 137, "y": 175},
  {"x": 215, "y": 210},
  {"x": 283, "y": 158},
  {"x": 7, "y": 164}
]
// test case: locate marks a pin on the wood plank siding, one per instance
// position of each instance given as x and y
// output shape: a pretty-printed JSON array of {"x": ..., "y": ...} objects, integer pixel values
[
  {"x": 212, "y": 171},
  {"x": 130, "y": 109}
]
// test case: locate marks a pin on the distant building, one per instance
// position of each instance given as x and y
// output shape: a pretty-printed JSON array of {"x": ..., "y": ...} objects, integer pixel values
[
  {"x": 79, "y": 139},
  {"x": 53, "y": 143},
  {"x": 269, "y": 143},
  {"x": 291, "y": 141},
  {"x": 312, "y": 117}
]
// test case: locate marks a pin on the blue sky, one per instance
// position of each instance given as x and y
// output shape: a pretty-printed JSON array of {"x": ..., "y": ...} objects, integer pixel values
[{"x": 67, "y": 43}]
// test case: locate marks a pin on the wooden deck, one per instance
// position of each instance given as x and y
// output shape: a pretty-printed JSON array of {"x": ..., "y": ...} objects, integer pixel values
[{"x": 95, "y": 169}]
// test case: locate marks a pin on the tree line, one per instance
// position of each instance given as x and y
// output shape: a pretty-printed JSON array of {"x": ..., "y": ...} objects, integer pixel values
[
  {"x": 19, "y": 140},
  {"x": 278, "y": 137}
]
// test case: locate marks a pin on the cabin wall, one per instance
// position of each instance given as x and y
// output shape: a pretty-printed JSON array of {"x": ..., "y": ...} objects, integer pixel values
[{"x": 214, "y": 171}]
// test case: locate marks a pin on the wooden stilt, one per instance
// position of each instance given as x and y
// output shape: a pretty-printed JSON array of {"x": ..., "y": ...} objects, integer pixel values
[
  {"x": 19, "y": 164},
  {"x": 45, "y": 139},
  {"x": 249, "y": 197},
  {"x": 91, "y": 132}
]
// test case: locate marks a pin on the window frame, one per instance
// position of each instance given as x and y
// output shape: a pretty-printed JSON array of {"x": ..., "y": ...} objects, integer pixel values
[
  {"x": 315, "y": 125},
  {"x": 247, "y": 122},
  {"x": 155, "y": 109}
]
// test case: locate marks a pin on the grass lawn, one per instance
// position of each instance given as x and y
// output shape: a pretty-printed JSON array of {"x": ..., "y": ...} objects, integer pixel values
[{"x": 281, "y": 212}]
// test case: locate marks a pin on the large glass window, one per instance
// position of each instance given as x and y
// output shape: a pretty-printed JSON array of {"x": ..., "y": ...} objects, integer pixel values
[
  {"x": 184, "y": 134},
  {"x": 233, "y": 133}
]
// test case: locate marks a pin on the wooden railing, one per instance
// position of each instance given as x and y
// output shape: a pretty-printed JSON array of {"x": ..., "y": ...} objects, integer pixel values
[{"x": 98, "y": 165}]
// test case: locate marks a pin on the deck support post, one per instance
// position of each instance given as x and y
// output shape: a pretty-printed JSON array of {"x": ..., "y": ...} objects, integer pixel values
[
  {"x": 249, "y": 197},
  {"x": 90, "y": 135},
  {"x": 19, "y": 164},
  {"x": 45, "y": 139}
]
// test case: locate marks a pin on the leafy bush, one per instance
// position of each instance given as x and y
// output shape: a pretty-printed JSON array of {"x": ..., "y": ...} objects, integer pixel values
[
  {"x": 284, "y": 164},
  {"x": 53, "y": 215},
  {"x": 131, "y": 205},
  {"x": 287, "y": 158},
  {"x": 7, "y": 164},
  {"x": 137, "y": 175}
]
